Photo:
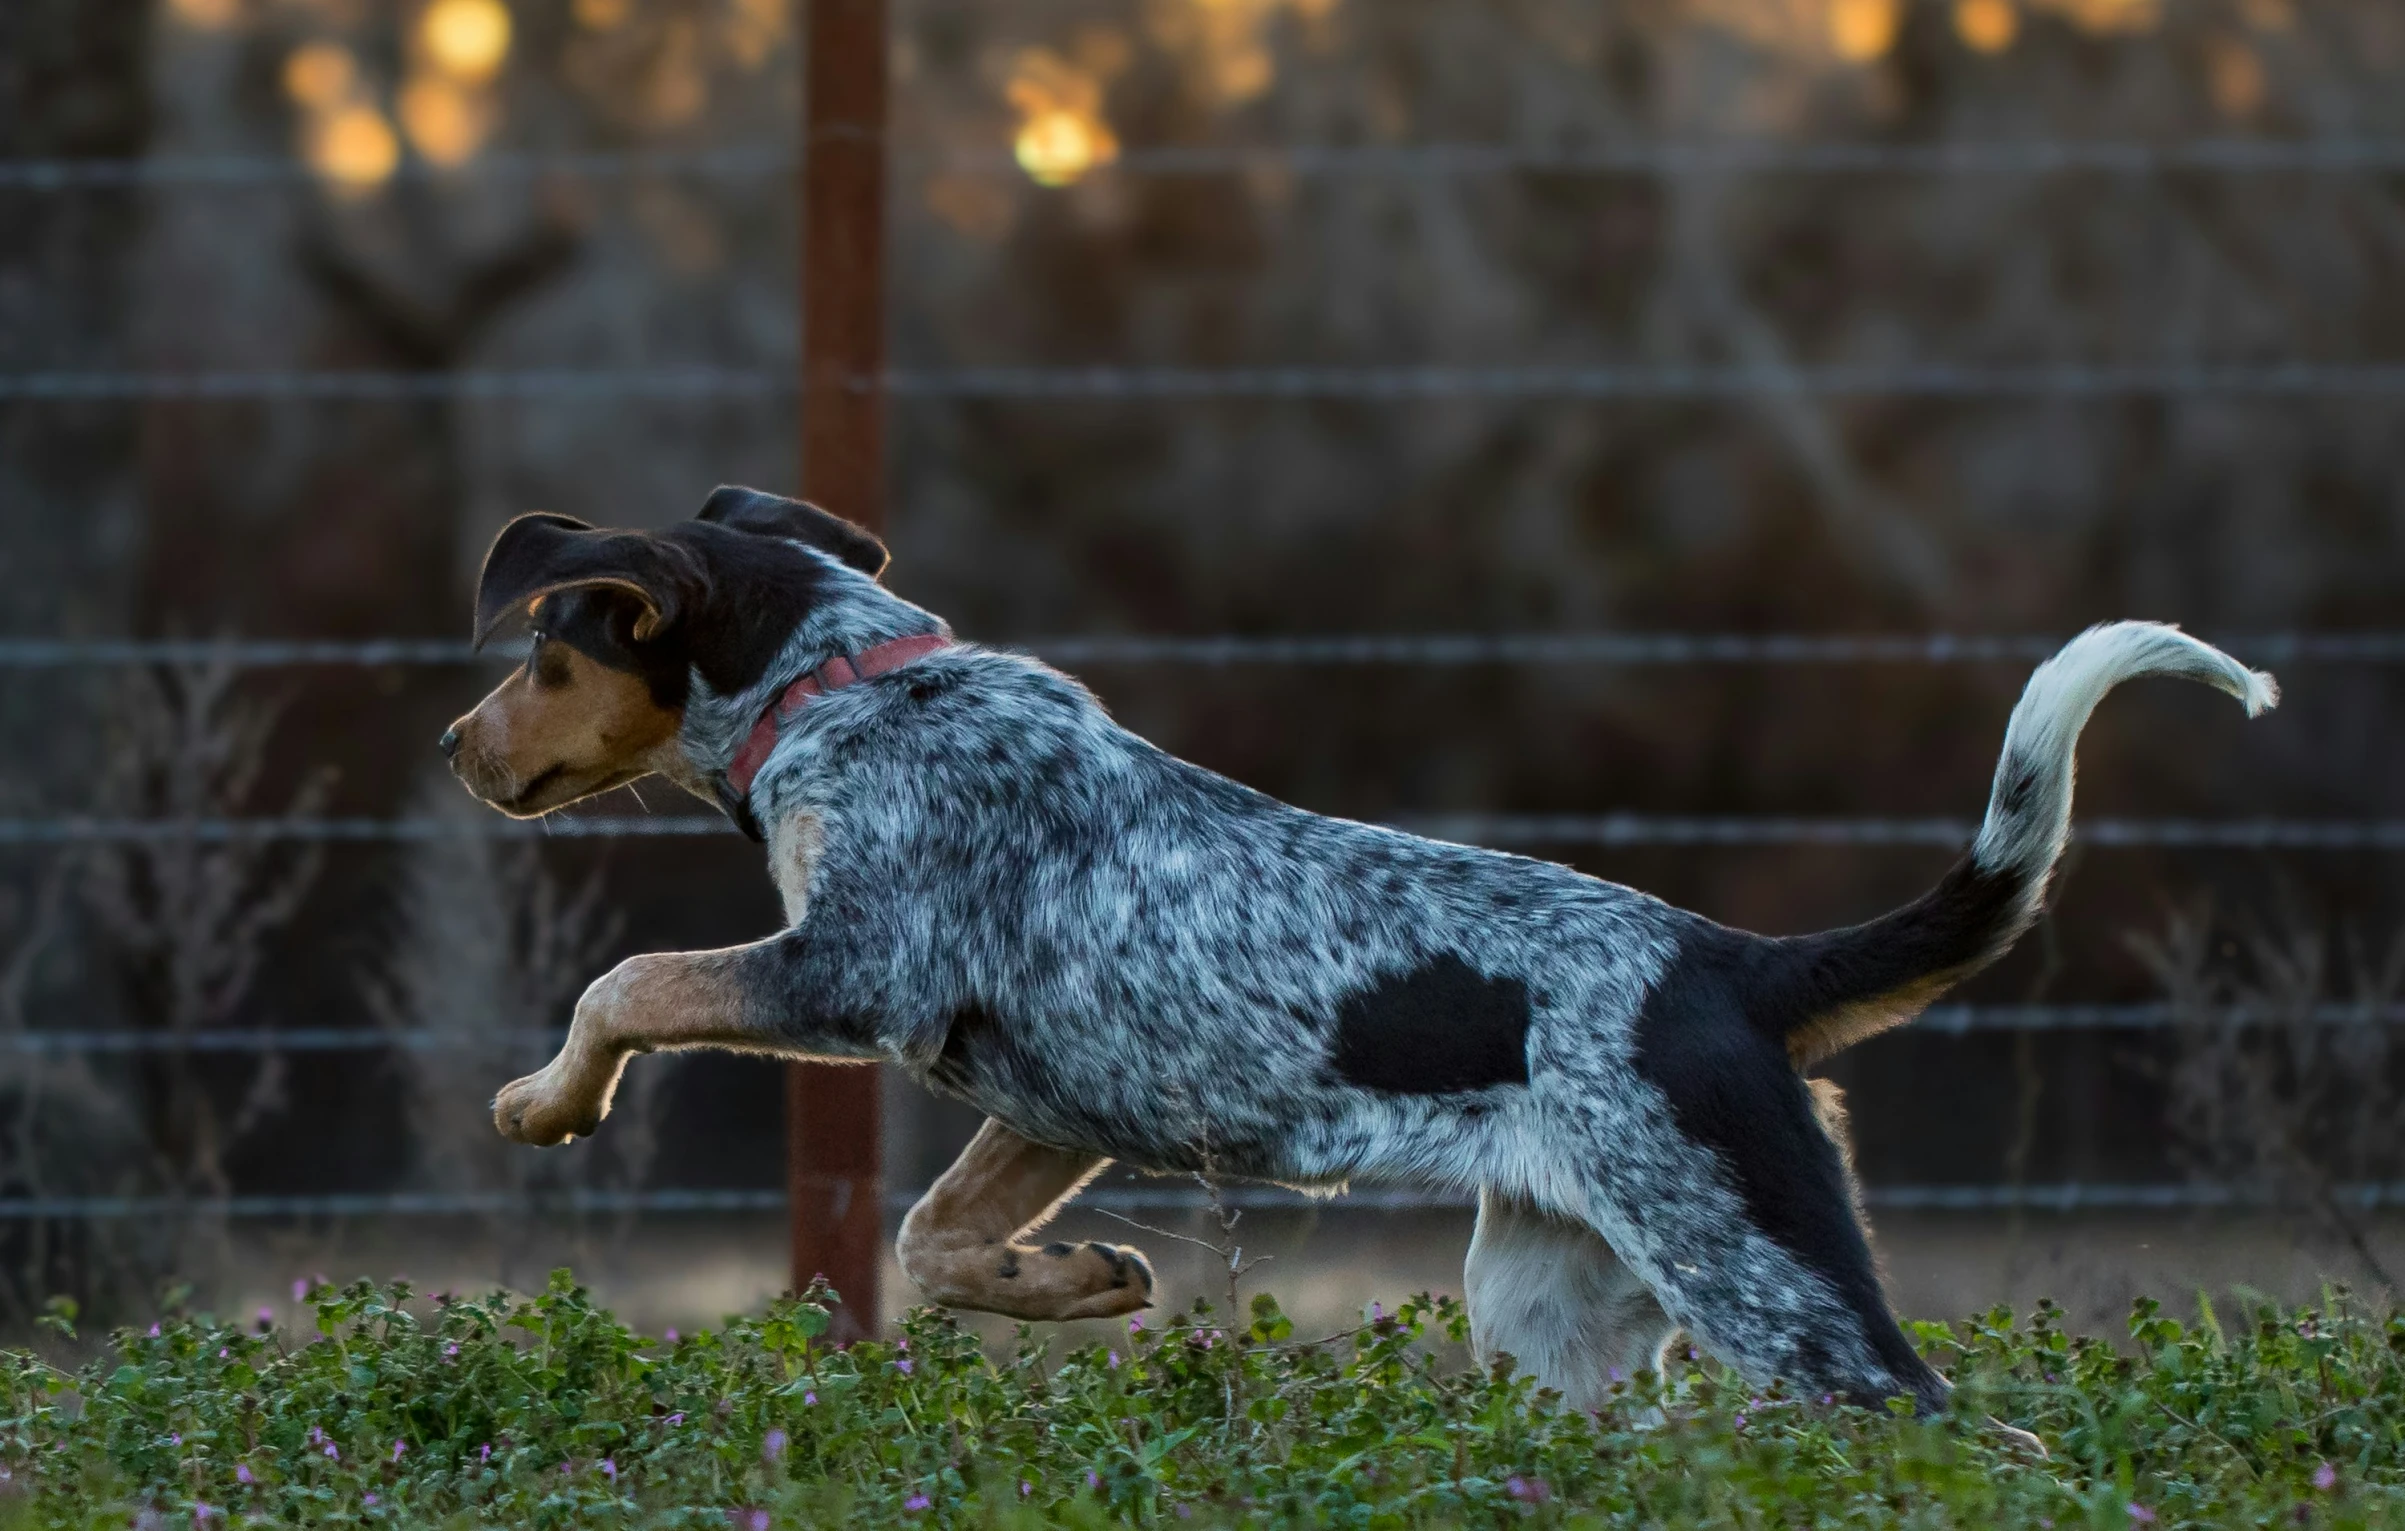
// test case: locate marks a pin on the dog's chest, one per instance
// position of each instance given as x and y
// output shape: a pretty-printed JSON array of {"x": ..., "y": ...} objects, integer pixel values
[{"x": 795, "y": 843}]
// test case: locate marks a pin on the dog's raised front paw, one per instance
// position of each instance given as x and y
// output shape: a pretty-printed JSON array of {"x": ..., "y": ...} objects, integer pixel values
[{"x": 539, "y": 1110}]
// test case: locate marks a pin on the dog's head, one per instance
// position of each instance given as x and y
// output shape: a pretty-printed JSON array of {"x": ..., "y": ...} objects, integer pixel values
[{"x": 623, "y": 623}]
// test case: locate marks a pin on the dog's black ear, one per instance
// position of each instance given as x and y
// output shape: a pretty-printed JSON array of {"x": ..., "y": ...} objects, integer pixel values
[
  {"x": 749, "y": 510},
  {"x": 538, "y": 554}
]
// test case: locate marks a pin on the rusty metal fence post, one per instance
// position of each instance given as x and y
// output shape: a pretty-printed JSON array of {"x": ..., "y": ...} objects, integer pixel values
[{"x": 833, "y": 1117}]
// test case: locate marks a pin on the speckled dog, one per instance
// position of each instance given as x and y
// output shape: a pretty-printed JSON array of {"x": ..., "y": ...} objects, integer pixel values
[{"x": 1118, "y": 955}]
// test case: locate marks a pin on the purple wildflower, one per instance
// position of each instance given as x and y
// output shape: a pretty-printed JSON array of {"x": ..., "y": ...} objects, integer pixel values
[
  {"x": 609, "y": 1468},
  {"x": 671, "y": 1336},
  {"x": 1377, "y": 1310},
  {"x": 1185, "y": 1512},
  {"x": 915, "y": 1502},
  {"x": 267, "y": 1318},
  {"x": 1025, "y": 1488},
  {"x": 810, "y": 1398},
  {"x": 1092, "y": 1480},
  {"x": 154, "y": 1331},
  {"x": 1741, "y": 1420},
  {"x": 202, "y": 1510},
  {"x": 317, "y": 1435},
  {"x": 2139, "y": 1514},
  {"x": 371, "y": 1496},
  {"x": 484, "y": 1453},
  {"x": 1114, "y": 1360},
  {"x": 223, "y": 1352},
  {"x": 2325, "y": 1477},
  {"x": 903, "y": 1366},
  {"x": 300, "y": 1288},
  {"x": 1135, "y": 1323},
  {"x": 678, "y": 1417},
  {"x": 242, "y": 1473},
  {"x": 332, "y": 1453},
  {"x": 772, "y": 1446},
  {"x": 397, "y": 1449},
  {"x": 1527, "y": 1490},
  {"x": 1616, "y": 1376},
  {"x": 451, "y": 1351},
  {"x": 176, "y": 1438}
]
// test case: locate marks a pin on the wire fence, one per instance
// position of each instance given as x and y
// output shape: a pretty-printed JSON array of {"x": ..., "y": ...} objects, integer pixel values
[
  {"x": 2068, "y": 1197},
  {"x": 1941, "y": 1020},
  {"x": 754, "y": 162},
  {"x": 1362, "y": 384},
  {"x": 1488, "y": 829},
  {"x": 2248, "y": 379},
  {"x": 1223, "y": 651}
]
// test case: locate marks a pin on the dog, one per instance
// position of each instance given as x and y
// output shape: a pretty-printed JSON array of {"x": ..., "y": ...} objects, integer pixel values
[{"x": 1117, "y": 955}]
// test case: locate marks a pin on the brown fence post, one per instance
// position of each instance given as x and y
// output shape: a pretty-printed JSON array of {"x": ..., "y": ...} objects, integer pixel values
[{"x": 832, "y": 1117}]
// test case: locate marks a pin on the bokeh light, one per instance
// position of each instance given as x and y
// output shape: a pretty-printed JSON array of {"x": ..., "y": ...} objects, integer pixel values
[
  {"x": 1062, "y": 134},
  {"x": 1863, "y": 30},
  {"x": 603, "y": 15},
  {"x": 466, "y": 39},
  {"x": 2108, "y": 17},
  {"x": 207, "y": 15},
  {"x": 1987, "y": 26},
  {"x": 1226, "y": 42},
  {"x": 321, "y": 76},
  {"x": 445, "y": 124},
  {"x": 2234, "y": 73},
  {"x": 354, "y": 147}
]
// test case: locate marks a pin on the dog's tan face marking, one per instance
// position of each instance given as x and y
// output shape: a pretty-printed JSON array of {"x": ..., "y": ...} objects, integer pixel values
[{"x": 563, "y": 726}]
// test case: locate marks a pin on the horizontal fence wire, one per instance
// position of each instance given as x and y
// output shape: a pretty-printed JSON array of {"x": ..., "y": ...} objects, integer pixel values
[
  {"x": 1942, "y": 1020},
  {"x": 2066, "y": 1197},
  {"x": 752, "y": 162},
  {"x": 1499, "y": 830},
  {"x": 1218, "y": 651},
  {"x": 270, "y": 1039},
  {"x": 1364, "y": 384}
]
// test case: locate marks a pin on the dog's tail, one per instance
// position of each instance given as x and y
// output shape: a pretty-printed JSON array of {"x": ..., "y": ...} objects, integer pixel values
[{"x": 1836, "y": 988}]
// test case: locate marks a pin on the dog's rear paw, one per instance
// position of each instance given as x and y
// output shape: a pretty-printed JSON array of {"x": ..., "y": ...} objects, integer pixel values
[
  {"x": 1118, "y": 1279},
  {"x": 537, "y": 1111}
]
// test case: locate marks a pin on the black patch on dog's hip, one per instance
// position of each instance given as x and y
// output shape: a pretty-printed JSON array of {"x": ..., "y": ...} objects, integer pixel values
[{"x": 1443, "y": 1027}]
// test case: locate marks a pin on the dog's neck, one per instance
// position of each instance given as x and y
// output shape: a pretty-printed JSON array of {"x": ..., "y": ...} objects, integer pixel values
[{"x": 852, "y": 614}]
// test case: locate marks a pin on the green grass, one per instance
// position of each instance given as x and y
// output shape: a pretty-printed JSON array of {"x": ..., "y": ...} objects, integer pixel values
[{"x": 547, "y": 1412}]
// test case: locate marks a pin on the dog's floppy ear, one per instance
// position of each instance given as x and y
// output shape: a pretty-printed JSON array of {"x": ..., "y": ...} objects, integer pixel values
[
  {"x": 538, "y": 554},
  {"x": 750, "y": 510}
]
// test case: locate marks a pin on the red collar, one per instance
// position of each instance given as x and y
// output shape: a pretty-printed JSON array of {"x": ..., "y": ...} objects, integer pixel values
[{"x": 834, "y": 675}]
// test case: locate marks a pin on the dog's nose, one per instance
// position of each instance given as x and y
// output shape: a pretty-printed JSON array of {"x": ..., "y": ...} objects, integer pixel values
[{"x": 448, "y": 743}]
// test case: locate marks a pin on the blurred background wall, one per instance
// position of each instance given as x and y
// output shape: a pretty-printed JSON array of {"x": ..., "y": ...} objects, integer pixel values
[{"x": 1265, "y": 319}]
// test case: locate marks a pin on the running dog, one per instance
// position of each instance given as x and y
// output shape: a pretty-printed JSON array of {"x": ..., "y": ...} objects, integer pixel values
[{"x": 1118, "y": 955}]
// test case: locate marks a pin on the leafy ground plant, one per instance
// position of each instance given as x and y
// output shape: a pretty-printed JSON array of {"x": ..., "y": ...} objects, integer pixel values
[{"x": 547, "y": 1412}]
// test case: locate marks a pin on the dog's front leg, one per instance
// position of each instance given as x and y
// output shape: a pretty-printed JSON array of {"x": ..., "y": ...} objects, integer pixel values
[
  {"x": 650, "y": 1003},
  {"x": 961, "y": 1242}
]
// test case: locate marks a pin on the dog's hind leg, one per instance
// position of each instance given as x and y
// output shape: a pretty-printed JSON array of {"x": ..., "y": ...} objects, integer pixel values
[
  {"x": 1550, "y": 1293},
  {"x": 962, "y": 1242}
]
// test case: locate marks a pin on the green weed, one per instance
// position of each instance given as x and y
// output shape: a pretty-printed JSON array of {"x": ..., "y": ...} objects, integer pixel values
[{"x": 547, "y": 1412}]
